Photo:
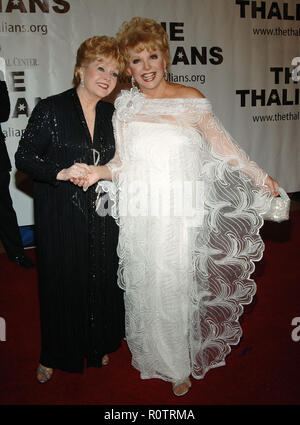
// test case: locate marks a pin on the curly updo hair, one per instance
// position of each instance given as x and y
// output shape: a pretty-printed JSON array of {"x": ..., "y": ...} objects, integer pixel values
[
  {"x": 141, "y": 33},
  {"x": 96, "y": 48}
]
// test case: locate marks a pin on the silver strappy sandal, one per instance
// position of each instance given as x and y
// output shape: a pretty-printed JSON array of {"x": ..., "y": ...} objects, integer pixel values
[
  {"x": 181, "y": 388},
  {"x": 46, "y": 371}
]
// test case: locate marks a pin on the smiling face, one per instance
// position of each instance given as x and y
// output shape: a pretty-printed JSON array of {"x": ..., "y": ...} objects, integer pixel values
[
  {"x": 147, "y": 68},
  {"x": 100, "y": 78}
]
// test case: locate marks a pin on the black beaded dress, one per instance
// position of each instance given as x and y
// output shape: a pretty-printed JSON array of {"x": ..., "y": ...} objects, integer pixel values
[{"x": 81, "y": 306}]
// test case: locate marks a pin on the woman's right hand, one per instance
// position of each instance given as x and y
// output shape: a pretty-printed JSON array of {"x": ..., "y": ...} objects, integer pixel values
[
  {"x": 272, "y": 185},
  {"x": 95, "y": 173}
]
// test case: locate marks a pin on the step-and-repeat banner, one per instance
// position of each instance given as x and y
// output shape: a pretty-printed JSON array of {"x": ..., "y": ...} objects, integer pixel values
[{"x": 243, "y": 55}]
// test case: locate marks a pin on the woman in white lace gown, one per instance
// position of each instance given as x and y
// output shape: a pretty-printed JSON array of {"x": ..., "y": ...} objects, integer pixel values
[{"x": 188, "y": 202}]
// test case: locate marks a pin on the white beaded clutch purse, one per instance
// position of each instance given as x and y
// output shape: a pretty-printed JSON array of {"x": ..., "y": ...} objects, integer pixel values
[{"x": 280, "y": 207}]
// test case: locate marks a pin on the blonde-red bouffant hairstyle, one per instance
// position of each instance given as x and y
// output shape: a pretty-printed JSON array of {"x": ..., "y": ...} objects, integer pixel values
[
  {"x": 96, "y": 48},
  {"x": 141, "y": 33}
]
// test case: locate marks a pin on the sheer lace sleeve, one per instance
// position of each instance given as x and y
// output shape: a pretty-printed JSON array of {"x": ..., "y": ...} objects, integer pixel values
[
  {"x": 226, "y": 149},
  {"x": 229, "y": 172},
  {"x": 228, "y": 244}
]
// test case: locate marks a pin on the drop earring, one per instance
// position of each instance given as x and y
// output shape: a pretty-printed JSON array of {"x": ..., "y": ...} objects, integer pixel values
[
  {"x": 81, "y": 79},
  {"x": 166, "y": 74},
  {"x": 132, "y": 82}
]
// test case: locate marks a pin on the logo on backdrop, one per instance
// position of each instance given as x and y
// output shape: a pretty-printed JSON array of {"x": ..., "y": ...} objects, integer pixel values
[
  {"x": 290, "y": 95},
  {"x": 192, "y": 55},
  {"x": 21, "y": 8},
  {"x": 189, "y": 55},
  {"x": 16, "y": 86},
  {"x": 269, "y": 10},
  {"x": 34, "y": 6}
]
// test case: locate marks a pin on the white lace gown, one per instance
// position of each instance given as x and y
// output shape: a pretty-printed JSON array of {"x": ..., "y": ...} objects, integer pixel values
[{"x": 188, "y": 202}]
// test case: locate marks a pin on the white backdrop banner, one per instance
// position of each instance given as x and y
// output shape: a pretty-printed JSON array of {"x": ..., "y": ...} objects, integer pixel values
[{"x": 243, "y": 55}]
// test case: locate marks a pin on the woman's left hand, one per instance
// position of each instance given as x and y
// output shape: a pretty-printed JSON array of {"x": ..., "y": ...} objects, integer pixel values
[{"x": 272, "y": 185}]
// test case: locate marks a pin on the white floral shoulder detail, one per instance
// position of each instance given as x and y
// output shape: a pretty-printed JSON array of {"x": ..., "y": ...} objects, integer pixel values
[{"x": 129, "y": 103}]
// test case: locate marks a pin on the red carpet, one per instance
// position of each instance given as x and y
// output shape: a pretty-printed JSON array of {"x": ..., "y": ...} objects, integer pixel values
[{"x": 264, "y": 369}]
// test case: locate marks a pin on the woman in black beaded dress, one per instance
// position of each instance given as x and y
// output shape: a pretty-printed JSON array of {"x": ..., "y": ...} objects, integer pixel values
[{"x": 81, "y": 306}]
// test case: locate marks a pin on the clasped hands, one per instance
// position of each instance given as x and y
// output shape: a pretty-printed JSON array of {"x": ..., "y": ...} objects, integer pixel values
[{"x": 82, "y": 175}]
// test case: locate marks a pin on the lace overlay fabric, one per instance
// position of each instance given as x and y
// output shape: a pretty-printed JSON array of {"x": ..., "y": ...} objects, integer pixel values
[{"x": 188, "y": 202}]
